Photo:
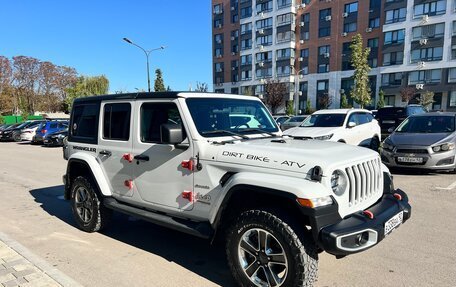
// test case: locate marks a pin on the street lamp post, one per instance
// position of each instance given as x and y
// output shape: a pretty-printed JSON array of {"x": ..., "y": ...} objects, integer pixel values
[
  {"x": 147, "y": 53},
  {"x": 296, "y": 88}
]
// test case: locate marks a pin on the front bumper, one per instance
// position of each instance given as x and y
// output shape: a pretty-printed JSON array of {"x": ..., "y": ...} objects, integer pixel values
[
  {"x": 432, "y": 161},
  {"x": 53, "y": 142},
  {"x": 358, "y": 232}
]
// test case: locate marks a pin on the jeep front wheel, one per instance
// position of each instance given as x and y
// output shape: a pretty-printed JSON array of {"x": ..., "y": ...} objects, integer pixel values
[
  {"x": 263, "y": 250},
  {"x": 88, "y": 210}
]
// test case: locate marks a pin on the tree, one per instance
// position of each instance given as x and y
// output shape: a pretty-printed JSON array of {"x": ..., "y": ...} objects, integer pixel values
[
  {"x": 324, "y": 101},
  {"x": 344, "y": 102},
  {"x": 361, "y": 92},
  {"x": 381, "y": 99},
  {"x": 407, "y": 93},
  {"x": 275, "y": 93},
  {"x": 25, "y": 79},
  {"x": 6, "y": 76},
  {"x": 159, "y": 85},
  {"x": 309, "y": 109},
  {"x": 87, "y": 86},
  {"x": 290, "y": 108},
  {"x": 201, "y": 87},
  {"x": 426, "y": 99}
]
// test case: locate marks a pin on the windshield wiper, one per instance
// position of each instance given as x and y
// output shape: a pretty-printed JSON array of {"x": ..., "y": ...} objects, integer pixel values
[
  {"x": 225, "y": 131},
  {"x": 259, "y": 130}
]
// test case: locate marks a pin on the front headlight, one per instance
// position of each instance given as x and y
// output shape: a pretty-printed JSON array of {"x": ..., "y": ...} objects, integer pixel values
[
  {"x": 387, "y": 145},
  {"x": 324, "y": 138},
  {"x": 315, "y": 202},
  {"x": 338, "y": 182},
  {"x": 443, "y": 147}
]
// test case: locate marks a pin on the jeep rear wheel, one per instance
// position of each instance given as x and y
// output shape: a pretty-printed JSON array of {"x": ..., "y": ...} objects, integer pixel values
[
  {"x": 88, "y": 210},
  {"x": 263, "y": 250}
]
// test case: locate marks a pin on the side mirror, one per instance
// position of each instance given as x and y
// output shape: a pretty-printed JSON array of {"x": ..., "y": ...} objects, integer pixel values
[
  {"x": 390, "y": 130},
  {"x": 171, "y": 133},
  {"x": 351, "y": 125}
]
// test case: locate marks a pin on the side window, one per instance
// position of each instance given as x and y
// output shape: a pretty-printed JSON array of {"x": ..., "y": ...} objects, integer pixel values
[
  {"x": 363, "y": 119},
  {"x": 84, "y": 123},
  {"x": 354, "y": 118},
  {"x": 370, "y": 117},
  {"x": 153, "y": 115},
  {"x": 53, "y": 125},
  {"x": 116, "y": 121}
]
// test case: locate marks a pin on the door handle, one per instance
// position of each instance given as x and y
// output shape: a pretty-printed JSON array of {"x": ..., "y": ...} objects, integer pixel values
[
  {"x": 105, "y": 153},
  {"x": 142, "y": 157}
]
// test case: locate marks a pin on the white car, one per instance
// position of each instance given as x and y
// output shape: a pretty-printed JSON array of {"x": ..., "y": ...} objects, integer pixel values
[
  {"x": 28, "y": 133},
  {"x": 351, "y": 126}
]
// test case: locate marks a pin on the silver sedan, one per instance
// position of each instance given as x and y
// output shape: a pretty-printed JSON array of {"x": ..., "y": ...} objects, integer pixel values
[{"x": 425, "y": 141}]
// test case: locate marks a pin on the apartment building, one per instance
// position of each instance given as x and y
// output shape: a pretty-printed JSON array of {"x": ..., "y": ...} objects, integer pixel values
[
  {"x": 305, "y": 44},
  {"x": 419, "y": 51}
]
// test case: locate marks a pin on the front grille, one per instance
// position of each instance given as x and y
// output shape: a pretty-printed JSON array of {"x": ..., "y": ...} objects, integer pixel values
[
  {"x": 418, "y": 151},
  {"x": 364, "y": 181}
]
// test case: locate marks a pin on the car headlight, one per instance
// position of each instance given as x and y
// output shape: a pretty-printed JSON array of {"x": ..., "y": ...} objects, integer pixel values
[
  {"x": 387, "y": 145},
  {"x": 443, "y": 147},
  {"x": 324, "y": 138},
  {"x": 338, "y": 182},
  {"x": 315, "y": 202}
]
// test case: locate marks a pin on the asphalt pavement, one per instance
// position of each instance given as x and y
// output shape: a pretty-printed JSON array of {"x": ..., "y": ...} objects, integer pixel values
[{"x": 132, "y": 252}]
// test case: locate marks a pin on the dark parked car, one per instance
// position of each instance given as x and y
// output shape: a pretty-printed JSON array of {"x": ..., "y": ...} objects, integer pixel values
[
  {"x": 48, "y": 127},
  {"x": 14, "y": 134},
  {"x": 6, "y": 134},
  {"x": 425, "y": 141},
  {"x": 389, "y": 118},
  {"x": 55, "y": 139}
]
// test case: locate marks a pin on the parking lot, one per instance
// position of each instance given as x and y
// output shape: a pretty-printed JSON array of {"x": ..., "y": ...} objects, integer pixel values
[{"x": 135, "y": 253}]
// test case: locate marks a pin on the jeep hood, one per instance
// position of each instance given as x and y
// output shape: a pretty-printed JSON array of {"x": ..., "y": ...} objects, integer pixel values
[
  {"x": 310, "y": 131},
  {"x": 287, "y": 154}
]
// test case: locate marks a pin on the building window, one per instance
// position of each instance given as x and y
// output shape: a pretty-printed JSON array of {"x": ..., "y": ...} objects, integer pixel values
[
  {"x": 324, "y": 13},
  {"x": 304, "y": 70},
  {"x": 375, "y": 4},
  {"x": 323, "y": 68},
  {"x": 218, "y": 9},
  {"x": 396, "y": 15},
  {"x": 283, "y": 3},
  {"x": 304, "y": 35},
  {"x": 425, "y": 77},
  {"x": 427, "y": 54},
  {"x": 322, "y": 85},
  {"x": 390, "y": 100},
  {"x": 392, "y": 79},
  {"x": 283, "y": 54},
  {"x": 263, "y": 57},
  {"x": 246, "y": 12},
  {"x": 218, "y": 23},
  {"x": 219, "y": 91},
  {"x": 430, "y": 8},
  {"x": 372, "y": 43},
  {"x": 286, "y": 36},
  {"x": 454, "y": 27},
  {"x": 428, "y": 31},
  {"x": 283, "y": 71},
  {"x": 453, "y": 52},
  {"x": 324, "y": 50},
  {"x": 374, "y": 22},
  {"x": 324, "y": 32},
  {"x": 218, "y": 52},
  {"x": 246, "y": 28},
  {"x": 285, "y": 19},
  {"x": 259, "y": 89},
  {"x": 263, "y": 24},
  {"x": 263, "y": 73},
  {"x": 264, "y": 40},
  {"x": 218, "y": 38},
  {"x": 351, "y": 7},
  {"x": 305, "y": 18},
  {"x": 246, "y": 75},
  {"x": 234, "y": 18},
  {"x": 394, "y": 58},
  {"x": 218, "y": 67},
  {"x": 246, "y": 60},
  {"x": 304, "y": 53},
  {"x": 246, "y": 44},
  {"x": 394, "y": 37},
  {"x": 453, "y": 99},
  {"x": 264, "y": 7},
  {"x": 373, "y": 62},
  {"x": 350, "y": 27},
  {"x": 452, "y": 75}
]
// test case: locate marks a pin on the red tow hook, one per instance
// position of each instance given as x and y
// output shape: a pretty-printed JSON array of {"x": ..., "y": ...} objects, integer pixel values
[
  {"x": 188, "y": 164},
  {"x": 129, "y": 183},
  {"x": 128, "y": 157},
  {"x": 368, "y": 214},
  {"x": 187, "y": 195},
  {"x": 397, "y": 196}
]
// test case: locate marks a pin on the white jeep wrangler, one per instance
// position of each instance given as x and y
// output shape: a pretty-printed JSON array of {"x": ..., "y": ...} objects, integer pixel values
[{"x": 214, "y": 164}]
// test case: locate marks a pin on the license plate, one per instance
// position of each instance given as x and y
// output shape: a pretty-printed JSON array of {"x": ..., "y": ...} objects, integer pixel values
[
  {"x": 410, "y": 159},
  {"x": 394, "y": 222},
  {"x": 388, "y": 122}
]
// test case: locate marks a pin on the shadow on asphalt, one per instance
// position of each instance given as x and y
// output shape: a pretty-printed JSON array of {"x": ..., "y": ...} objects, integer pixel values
[{"x": 195, "y": 254}]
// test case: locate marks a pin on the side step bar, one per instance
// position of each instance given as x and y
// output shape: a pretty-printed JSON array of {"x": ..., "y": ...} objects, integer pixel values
[{"x": 199, "y": 229}]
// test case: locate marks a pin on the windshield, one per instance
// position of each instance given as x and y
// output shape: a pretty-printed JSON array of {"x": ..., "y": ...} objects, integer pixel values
[
  {"x": 221, "y": 117},
  {"x": 427, "y": 124},
  {"x": 324, "y": 120},
  {"x": 296, "y": 119}
]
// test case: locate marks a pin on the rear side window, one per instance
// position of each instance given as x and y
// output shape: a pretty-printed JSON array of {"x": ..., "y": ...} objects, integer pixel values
[
  {"x": 53, "y": 125},
  {"x": 116, "y": 121},
  {"x": 84, "y": 123},
  {"x": 153, "y": 115},
  {"x": 415, "y": 110}
]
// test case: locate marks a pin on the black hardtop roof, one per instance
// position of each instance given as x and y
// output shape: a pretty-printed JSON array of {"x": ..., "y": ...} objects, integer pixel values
[{"x": 139, "y": 95}]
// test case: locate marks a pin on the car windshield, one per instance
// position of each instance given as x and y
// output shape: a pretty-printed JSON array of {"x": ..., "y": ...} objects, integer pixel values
[
  {"x": 296, "y": 119},
  {"x": 221, "y": 117},
  {"x": 324, "y": 120},
  {"x": 428, "y": 124}
]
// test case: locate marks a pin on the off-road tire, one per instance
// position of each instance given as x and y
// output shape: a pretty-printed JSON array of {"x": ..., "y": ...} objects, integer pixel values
[
  {"x": 100, "y": 215},
  {"x": 299, "y": 248}
]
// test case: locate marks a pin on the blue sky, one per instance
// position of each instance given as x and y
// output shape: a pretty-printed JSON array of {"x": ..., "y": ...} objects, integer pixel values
[{"x": 87, "y": 35}]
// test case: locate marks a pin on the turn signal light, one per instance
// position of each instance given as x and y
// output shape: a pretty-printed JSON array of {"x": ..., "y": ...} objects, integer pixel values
[{"x": 305, "y": 202}]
